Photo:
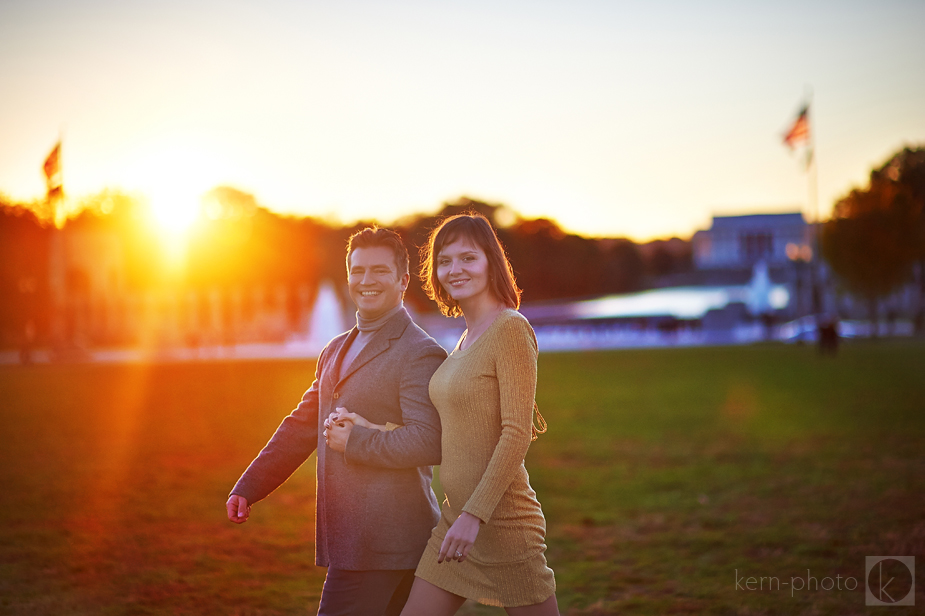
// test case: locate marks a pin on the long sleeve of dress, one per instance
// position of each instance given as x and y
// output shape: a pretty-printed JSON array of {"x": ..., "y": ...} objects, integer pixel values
[{"x": 515, "y": 355}]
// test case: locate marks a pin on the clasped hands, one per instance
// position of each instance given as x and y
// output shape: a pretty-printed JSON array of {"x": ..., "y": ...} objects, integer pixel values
[{"x": 337, "y": 428}]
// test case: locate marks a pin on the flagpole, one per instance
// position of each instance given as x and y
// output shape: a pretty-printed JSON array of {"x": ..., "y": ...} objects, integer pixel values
[
  {"x": 57, "y": 259},
  {"x": 812, "y": 181},
  {"x": 801, "y": 132}
]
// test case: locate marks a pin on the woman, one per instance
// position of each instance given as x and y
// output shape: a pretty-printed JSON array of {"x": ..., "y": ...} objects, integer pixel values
[{"x": 489, "y": 543}]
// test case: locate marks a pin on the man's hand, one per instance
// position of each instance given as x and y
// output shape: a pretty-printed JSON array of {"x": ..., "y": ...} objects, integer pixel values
[
  {"x": 337, "y": 432},
  {"x": 238, "y": 509}
]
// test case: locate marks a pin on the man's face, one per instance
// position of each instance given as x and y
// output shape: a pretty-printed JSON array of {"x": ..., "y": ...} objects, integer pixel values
[{"x": 375, "y": 284}]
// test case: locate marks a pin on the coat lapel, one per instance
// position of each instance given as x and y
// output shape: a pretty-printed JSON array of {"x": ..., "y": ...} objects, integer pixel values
[
  {"x": 378, "y": 345},
  {"x": 337, "y": 357}
]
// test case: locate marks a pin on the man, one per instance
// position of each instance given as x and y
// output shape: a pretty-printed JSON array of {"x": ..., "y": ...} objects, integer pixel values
[{"x": 374, "y": 508}]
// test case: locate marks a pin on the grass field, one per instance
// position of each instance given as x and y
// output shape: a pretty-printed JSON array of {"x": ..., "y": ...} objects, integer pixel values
[{"x": 668, "y": 478}]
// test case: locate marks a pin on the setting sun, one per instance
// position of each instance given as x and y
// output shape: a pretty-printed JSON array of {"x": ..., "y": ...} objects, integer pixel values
[
  {"x": 174, "y": 213},
  {"x": 173, "y": 173}
]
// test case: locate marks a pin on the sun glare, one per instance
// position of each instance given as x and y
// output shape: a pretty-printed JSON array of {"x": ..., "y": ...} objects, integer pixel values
[
  {"x": 174, "y": 214},
  {"x": 174, "y": 170}
]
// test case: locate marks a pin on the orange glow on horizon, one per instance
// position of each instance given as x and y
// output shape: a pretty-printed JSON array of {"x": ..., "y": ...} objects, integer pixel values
[
  {"x": 175, "y": 213},
  {"x": 172, "y": 174}
]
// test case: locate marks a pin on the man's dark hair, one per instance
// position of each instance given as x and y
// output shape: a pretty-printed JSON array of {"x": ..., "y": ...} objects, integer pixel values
[{"x": 376, "y": 236}]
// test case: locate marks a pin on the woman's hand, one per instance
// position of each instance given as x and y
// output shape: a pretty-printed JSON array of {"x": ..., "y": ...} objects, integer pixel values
[
  {"x": 340, "y": 423},
  {"x": 341, "y": 415},
  {"x": 337, "y": 430},
  {"x": 460, "y": 538}
]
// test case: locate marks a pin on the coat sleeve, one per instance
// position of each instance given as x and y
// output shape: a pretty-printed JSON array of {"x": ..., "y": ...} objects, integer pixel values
[
  {"x": 293, "y": 442},
  {"x": 515, "y": 357},
  {"x": 417, "y": 442}
]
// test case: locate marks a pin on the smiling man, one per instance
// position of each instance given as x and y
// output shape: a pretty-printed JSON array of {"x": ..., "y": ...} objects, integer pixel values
[{"x": 374, "y": 508}]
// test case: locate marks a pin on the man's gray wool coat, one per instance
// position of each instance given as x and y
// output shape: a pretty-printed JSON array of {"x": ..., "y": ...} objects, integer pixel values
[{"x": 374, "y": 507}]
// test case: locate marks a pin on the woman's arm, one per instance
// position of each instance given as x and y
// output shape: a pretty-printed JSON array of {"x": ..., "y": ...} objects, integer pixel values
[
  {"x": 515, "y": 368},
  {"x": 340, "y": 423},
  {"x": 342, "y": 415}
]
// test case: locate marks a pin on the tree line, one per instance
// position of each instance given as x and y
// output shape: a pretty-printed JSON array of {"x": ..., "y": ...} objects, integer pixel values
[
  {"x": 238, "y": 242},
  {"x": 874, "y": 242},
  {"x": 875, "y": 239}
]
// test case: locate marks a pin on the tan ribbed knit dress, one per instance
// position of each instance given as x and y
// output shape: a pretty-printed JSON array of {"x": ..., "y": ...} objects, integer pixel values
[{"x": 484, "y": 395}]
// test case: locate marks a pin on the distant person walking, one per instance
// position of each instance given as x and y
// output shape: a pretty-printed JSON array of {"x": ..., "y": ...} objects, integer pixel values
[
  {"x": 828, "y": 335},
  {"x": 489, "y": 544},
  {"x": 374, "y": 505}
]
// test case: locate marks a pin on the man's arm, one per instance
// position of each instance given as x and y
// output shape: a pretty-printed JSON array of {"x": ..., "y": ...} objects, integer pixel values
[
  {"x": 294, "y": 440},
  {"x": 417, "y": 442}
]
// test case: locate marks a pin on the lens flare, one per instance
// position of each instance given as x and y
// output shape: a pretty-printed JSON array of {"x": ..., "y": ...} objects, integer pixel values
[{"x": 175, "y": 212}]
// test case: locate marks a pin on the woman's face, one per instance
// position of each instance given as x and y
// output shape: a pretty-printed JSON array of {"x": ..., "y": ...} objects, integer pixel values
[{"x": 463, "y": 271}]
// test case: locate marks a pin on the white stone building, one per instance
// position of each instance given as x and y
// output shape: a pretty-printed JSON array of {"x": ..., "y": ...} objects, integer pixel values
[{"x": 742, "y": 241}]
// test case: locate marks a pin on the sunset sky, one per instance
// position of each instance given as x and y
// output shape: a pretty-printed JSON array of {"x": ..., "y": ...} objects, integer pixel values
[{"x": 639, "y": 119}]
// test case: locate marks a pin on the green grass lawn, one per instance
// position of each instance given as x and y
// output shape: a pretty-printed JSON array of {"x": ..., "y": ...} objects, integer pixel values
[{"x": 666, "y": 476}]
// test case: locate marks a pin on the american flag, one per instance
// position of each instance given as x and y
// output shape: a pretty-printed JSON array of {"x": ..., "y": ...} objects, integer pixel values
[
  {"x": 799, "y": 132},
  {"x": 52, "y": 165}
]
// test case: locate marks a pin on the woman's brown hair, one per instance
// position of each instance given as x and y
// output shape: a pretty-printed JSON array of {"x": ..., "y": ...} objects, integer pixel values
[{"x": 478, "y": 230}]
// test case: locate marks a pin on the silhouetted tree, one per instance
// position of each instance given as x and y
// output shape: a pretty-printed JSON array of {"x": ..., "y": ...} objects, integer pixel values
[
  {"x": 664, "y": 257},
  {"x": 877, "y": 233},
  {"x": 624, "y": 266},
  {"x": 124, "y": 216},
  {"x": 24, "y": 292},
  {"x": 242, "y": 242}
]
